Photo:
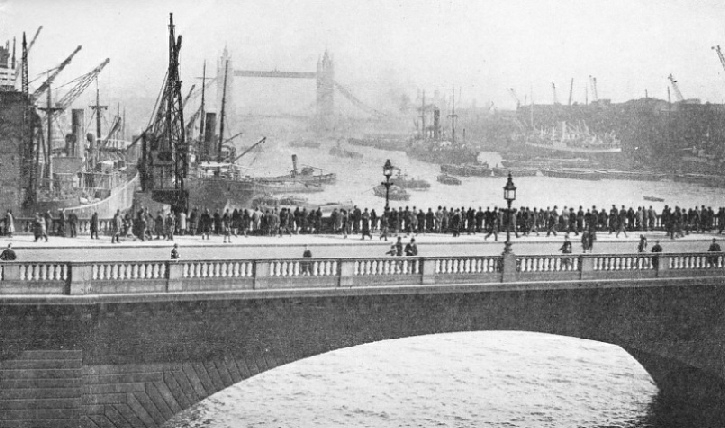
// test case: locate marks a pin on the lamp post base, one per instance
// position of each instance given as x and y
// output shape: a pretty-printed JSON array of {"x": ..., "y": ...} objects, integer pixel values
[{"x": 507, "y": 248}]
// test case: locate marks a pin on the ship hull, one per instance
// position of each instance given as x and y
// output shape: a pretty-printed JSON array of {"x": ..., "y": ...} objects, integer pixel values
[
  {"x": 219, "y": 193},
  {"x": 120, "y": 199}
]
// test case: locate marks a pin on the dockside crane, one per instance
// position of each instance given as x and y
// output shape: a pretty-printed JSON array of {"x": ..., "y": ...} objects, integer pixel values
[
  {"x": 81, "y": 84},
  {"x": 676, "y": 88},
  {"x": 53, "y": 74},
  {"x": 23, "y": 61},
  {"x": 720, "y": 55},
  {"x": 249, "y": 149}
]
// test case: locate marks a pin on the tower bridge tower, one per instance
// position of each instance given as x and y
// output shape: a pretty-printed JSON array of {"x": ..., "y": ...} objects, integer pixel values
[{"x": 325, "y": 86}]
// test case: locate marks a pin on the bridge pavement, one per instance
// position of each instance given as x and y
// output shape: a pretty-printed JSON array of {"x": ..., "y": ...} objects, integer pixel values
[{"x": 431, "y": 245}]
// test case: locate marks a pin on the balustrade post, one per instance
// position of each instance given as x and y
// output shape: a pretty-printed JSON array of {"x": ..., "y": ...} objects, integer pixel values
[
  {"x": 586, "y": 266},
  {"x": 175, "y": 270},
  {"x": 508, "y": 267},
  {"x": 662, "y": 262},
  {"x": 347, "y": 273},
  {"x": 80, "y": 278},
  {"x": 262, "y": 270},
  {"x": 428, "y": 271},
  {"x": 11, "y": 272}
]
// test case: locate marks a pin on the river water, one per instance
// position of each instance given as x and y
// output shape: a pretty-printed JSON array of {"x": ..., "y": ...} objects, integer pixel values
[
  {"x": 357, "y": 177},
  {"x": 499, "y": 379},
  {"x": 472, "y": 379}
]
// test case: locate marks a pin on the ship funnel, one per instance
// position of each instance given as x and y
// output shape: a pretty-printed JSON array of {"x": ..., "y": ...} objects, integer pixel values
[
  {"x": 294, "y": 165},
  {"x": 209, "y": 148}
]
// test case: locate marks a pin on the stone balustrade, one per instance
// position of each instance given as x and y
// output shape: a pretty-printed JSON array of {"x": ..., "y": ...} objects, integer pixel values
[{"x": 232, "y": 274}]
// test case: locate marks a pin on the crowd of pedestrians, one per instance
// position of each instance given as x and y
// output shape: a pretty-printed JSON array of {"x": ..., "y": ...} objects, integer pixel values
[{"x": 364, "y": 222}]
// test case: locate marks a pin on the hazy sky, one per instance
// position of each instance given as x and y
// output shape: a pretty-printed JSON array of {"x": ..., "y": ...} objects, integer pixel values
[{"x": 484, "y": 47}]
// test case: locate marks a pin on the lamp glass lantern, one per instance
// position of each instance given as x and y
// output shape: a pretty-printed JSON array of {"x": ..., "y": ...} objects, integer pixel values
[
  {"x": 509, "y": 190},
  {"x": 388, "y": 169}
]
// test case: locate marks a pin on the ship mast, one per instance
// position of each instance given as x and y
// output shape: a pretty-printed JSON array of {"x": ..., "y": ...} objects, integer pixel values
[
  {"x": 202, "y": 119},
  {"x": 30, "y": 169},
  {"x": 97, "y": 111},
  {"x": 453, "y": 117},
  {"x": 223, "y": 114}
]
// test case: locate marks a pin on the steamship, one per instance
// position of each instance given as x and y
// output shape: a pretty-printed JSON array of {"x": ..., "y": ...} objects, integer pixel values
[{"x": 43, "y": 172}]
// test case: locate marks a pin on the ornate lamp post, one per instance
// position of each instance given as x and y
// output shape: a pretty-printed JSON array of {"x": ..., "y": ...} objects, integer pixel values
[
  {"x": 387, "y": 172},
  {"x": 509, "y": 193}
]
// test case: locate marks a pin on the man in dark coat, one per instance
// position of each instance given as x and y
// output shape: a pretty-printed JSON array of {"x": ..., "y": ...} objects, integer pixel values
[
  {"x": 94, "y": 225},
  {"x": 715, "y": 248},
  {"x": 411, "y": 248},
  {"x": 73, "y": 223}
]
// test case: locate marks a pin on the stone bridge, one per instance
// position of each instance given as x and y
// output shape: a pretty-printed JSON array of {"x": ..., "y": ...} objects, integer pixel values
[{"x": 131, "y": 344}]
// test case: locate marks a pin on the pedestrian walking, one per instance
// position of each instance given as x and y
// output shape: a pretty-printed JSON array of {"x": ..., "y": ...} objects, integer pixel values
[
  {"x": 365, "y": 218},
  {"x": 117, "y": 225},
  {"x": 566, "y": 249},
  {"x": 73, "y": 224},
  {"x": 712, "y": 261},
  {"x": 656, "y": 249},
  {"x": 9, "y": 224},
  {"x": 94, "y": 225},
  {"x": 411, "y": 248},
  {"x": 642, "y": 246}
]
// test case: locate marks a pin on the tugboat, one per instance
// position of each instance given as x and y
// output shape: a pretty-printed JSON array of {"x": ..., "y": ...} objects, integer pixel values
[{"x": 306, "y": 175}]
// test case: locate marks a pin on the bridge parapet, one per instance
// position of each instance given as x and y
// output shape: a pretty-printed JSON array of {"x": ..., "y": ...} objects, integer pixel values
[{"x": 238, "y": 275}]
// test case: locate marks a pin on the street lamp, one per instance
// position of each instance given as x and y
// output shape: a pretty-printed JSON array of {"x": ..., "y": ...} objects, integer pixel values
[
  {"x": 509, "y": 193},
  {"x": 387, "y": 172}
]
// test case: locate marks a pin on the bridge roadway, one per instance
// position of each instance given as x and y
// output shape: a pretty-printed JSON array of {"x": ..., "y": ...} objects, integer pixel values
[{"x": 85, "y": 249}]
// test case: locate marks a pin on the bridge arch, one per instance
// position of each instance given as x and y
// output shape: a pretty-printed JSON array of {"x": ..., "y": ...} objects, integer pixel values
[
  {"x": 135, "y": 361},
  {"x": 386, "y": 382}
]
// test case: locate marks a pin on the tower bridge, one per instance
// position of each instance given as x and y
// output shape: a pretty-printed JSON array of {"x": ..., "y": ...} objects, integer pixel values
[{"x": 324, "y": 76}]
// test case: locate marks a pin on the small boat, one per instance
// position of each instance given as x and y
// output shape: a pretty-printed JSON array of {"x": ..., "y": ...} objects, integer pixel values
[
  {"x": 573, "y": 173},
  {"x": 459, "y": 170},
  {"x": 292, "y": 200},
  {"x": 653, "y": 199},
  {"x": 406, "y": 182},
  {"x": 396, "y": 193},
  {"x": 292, "y": 186},
  {"x": 449, "y": 180},
  {"x": 478, "y": 170},
  {"x": 516, "y": 172}
]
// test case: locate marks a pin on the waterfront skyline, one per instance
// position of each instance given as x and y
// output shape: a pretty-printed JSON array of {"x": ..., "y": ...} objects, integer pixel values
[{"x": 483, "y": 48}]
